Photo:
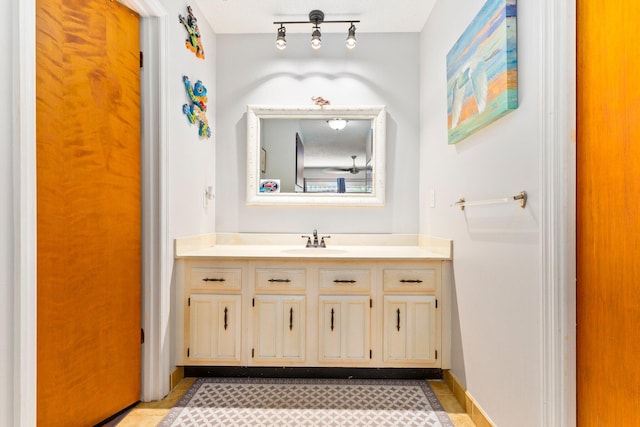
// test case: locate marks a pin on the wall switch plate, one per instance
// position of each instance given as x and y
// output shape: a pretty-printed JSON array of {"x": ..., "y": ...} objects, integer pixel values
[{"x": 432, "y": 198}]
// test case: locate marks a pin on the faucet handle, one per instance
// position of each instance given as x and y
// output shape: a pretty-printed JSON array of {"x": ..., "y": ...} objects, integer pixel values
[
  {"x": 308, "y": 241},
  {"x": 322, "y": 243}
]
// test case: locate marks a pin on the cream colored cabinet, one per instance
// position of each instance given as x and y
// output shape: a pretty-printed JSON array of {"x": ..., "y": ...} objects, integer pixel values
[
  {"x": 214, "y": 328},
  {"x": 411, "y": 319},
  {"x": 387, "y": 313},
  {"x": 278, "y": 328},
  {"x": 344, "y": 334},
  {"x": 410, "y": 328},
  {"x": 213, "y": 314}
]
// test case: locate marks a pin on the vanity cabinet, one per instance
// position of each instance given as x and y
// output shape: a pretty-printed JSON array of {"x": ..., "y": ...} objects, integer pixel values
[
  {"x": 381, "y": 313},
  {"x": 279, "y": 313},
  {"x": 213, "y": 314},
  {"x": 344, "y": 325},
  {"x": 411, "y": 321}
]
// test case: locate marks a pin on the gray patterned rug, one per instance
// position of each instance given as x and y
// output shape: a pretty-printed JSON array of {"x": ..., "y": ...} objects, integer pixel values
[{"x": 307, "y": 402}]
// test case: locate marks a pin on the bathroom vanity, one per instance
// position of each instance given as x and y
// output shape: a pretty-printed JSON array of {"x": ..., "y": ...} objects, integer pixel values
[{"x": 366, "y": 301}]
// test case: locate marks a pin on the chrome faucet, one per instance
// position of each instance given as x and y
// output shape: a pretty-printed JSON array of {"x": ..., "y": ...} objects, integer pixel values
[{"x": 315, "y": 238}]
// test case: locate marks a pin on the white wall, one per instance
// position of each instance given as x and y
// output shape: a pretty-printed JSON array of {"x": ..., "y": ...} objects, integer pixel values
[
  {"x": 497, "y": 294},
  {"x": 6, "y": 218},
  {"x": 189, "y": 157},
  {"x": 382, "y": 69}
]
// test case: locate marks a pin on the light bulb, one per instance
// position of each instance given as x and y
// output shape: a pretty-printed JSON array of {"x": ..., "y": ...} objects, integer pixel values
[
  {"x": 351, "y": 38},
  {"x": 316, "y": 42},
  {"x": 281, "y": 42},
  {"x": 337, "y": 123}
]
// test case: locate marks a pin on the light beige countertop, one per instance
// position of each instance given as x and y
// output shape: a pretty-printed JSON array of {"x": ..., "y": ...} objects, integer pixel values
[{"x": 292, "y": 246}]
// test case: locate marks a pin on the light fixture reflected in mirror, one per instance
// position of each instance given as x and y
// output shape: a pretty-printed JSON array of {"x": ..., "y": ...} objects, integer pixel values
[
  {"x": 316, "y": 17},
  {"x": 337, "y": 123},
  {"x": 281, "y": 42}
]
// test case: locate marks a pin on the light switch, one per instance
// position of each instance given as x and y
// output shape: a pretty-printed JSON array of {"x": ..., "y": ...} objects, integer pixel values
[{"x": 432, "y": 198}]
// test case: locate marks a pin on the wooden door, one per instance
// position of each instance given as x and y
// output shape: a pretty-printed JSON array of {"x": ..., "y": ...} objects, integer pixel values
[
  {"x": 608, "y": 213},
  {"x": 88, "y": 210}
]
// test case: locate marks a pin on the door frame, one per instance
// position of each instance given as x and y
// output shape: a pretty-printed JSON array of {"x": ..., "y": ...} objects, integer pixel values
[
  {"x": 155, "y": 283},
  {"x": 557, "y": 71}
]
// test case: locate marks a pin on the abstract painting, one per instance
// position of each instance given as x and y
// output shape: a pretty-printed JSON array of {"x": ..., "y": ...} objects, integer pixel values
[{"x": 482, "y": 70}]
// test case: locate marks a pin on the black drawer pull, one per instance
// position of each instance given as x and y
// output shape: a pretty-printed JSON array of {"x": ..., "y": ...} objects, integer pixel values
[
  {"x": 226, "y": 311},
  {"x": 344, "y": 281},
  {"x": 332, "y": 312},
  {"x": 291, "y": 319},
  {"x": 279, "y": 280},
  {"x": 398, "y": 324},
  {"x": 207, "y": 279},
  {"x": 410, "y": 281}
]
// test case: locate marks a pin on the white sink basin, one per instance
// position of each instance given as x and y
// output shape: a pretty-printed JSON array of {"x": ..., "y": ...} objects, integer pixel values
[{"x": 314, "y": 251}]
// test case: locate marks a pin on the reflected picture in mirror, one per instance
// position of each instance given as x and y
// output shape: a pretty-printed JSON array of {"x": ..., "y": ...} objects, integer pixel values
[{"x": 319, "y": 155}]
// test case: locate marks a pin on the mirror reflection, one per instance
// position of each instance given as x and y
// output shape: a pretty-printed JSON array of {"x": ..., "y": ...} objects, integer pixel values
[{"x": 309, "y": 155}]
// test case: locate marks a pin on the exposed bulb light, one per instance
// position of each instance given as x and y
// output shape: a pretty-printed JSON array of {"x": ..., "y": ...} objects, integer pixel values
[
  {"x": 316, "y": 42},
  {"x": 316, "y": 18},
  {"x": 281, "y": 42},
  {"x": 337, "y": 123},
  {"x": 351, "y": 38}
]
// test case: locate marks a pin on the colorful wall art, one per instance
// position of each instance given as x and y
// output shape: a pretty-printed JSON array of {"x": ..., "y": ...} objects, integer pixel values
[
  {"x": 193, "y": 42},
  {"x": 196, "y": 111},
  {"x": 482, "y": 70}
]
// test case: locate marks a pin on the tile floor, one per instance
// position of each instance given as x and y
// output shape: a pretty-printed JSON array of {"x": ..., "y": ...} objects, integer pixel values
[{"x": 151, "y": 413}]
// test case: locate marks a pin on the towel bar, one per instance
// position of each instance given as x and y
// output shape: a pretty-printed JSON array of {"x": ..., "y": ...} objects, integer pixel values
[{"x": 520, "y": 197}]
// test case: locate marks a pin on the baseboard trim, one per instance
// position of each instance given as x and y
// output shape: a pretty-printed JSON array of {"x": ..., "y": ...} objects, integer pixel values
[
  {"x": 176, "y": 376},
  {"x": 471, "y": 407},
  {"x": 300, "y": 372}
]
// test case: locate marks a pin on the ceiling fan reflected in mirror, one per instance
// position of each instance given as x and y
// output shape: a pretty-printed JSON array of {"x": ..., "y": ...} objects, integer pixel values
[{"x": 353, "y": 169}]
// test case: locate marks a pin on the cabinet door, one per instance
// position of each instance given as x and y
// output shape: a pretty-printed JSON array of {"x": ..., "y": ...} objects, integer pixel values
[
  {"x": 344, "y": 328},
  {"x": 410, "y": 328},
  {"x": 279, "y": 328},
  {"x": 214, "y": 328}
]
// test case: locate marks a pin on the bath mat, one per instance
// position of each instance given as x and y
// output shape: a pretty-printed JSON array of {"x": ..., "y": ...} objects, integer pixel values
[{"x": 307, "y": 402}]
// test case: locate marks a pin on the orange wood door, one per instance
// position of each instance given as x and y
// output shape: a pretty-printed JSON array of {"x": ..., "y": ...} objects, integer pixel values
[
  {"x": 608, "y": 213},
  {"x": 88, "y": 203}
]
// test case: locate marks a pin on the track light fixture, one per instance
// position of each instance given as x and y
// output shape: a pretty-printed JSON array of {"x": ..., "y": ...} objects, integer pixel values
[{"x": 316, "y": 17}]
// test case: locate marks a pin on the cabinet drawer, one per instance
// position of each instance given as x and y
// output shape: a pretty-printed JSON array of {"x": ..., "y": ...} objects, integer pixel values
[
  {"x": 342, "y": 280},
  {"x": 280, "y": 279},
  {"x": 215, "y": 278},
  {"x": 410, "y": 280}
]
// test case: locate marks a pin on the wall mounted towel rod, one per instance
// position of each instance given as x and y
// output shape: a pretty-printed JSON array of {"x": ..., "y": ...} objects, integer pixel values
[{"x": 520, "y": 197}]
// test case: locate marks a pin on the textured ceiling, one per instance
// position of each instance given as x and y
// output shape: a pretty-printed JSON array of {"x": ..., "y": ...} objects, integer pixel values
[{"x": 257, "y": 16}]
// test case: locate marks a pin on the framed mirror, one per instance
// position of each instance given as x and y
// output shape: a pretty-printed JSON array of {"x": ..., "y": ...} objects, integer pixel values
[{"x": 312, "y": 155}]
